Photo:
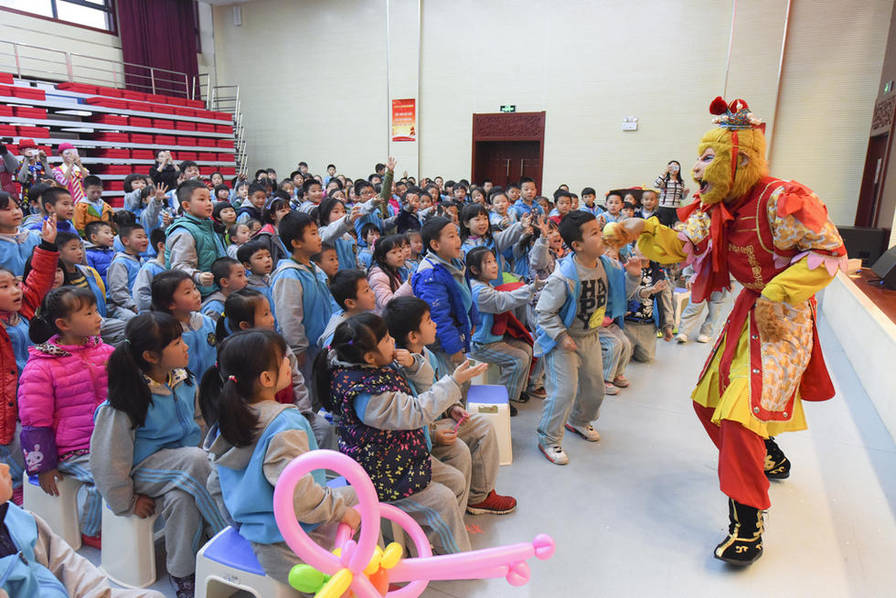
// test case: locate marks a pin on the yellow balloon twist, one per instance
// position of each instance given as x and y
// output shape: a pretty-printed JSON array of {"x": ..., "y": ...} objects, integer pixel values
[{"x": 336, "y": 586}]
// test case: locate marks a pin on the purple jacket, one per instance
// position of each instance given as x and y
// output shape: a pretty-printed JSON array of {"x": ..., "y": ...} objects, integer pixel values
[{"x": 60, "y": 388}]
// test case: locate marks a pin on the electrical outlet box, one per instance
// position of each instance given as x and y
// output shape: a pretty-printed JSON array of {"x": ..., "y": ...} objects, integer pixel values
[{"x": 630, "y": 123}]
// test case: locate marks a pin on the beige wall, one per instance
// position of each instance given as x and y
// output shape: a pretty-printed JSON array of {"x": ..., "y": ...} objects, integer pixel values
[
  {"x": 587, "y": 65},
  {"x": 93, "y": 49}
]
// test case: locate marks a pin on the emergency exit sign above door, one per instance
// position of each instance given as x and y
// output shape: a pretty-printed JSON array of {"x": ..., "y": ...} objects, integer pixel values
[{"x": 508, "y": 108}]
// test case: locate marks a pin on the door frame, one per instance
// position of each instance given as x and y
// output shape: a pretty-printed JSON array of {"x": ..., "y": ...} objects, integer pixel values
[
  {"x": 883, "y": 122},
  {"x": 513, "y": 126}
]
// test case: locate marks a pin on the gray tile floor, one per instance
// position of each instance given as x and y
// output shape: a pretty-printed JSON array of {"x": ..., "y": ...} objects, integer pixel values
[{"x": 639, "y": 513}]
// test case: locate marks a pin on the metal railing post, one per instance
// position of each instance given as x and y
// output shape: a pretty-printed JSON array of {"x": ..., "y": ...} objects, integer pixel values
[
  {"x": 152, "y": 79},
  {"x": 187, "y": 86},
  {"x": 68, "y": 66},
  {"x": 15, "y": 50}
]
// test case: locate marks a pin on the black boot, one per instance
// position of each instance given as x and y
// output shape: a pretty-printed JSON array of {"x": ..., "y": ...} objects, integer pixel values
[
  {"x": 744, "y": 542},
  {"x": 777, "y": 465}
]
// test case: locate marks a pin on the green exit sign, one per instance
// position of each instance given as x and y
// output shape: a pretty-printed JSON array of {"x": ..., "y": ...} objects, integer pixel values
[{"x": 508, "y": 108}]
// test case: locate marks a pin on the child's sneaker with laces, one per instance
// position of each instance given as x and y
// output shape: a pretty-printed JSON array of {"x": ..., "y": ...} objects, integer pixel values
[
  {"x": 554, "y": 453},
  {"x": 587, "y": 432},
  {"x": 494, "y": 504}
]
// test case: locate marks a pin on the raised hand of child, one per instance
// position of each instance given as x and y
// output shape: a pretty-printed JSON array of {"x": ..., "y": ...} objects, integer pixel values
[
  {"x": 355, "y": 214},
  {"x": 465, "y": 372},
  {"x": 48, "y": 230},
  {"x": 542, "y": 224},
  {"x": 660, "y": 286},
  {"x": 206, "y": 279},
  {"x": 144, "y": 506},
  {"x": 404, "y": 358},
  {"x": 567, "y": 344},
  {"x": 390, "y": 163},
  {"x": 161, "y": 190},
  {"x": 633, "y": 266},
  {"x": 444, "y": 437},
  {"x": 351, "y": 518},
  {"x": 47, "y": 481}
]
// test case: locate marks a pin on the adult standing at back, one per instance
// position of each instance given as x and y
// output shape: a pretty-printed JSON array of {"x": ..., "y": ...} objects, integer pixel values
[
  {"x": 70, "y": 174},
  {"x": 672, "y": 191}
]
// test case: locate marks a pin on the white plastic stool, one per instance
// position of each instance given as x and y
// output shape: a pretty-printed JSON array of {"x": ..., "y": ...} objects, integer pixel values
[
  {"x": 227, "y": 563},
  {"x": 128, "y": 556},
  {"x": 60, "y": 512},
  {"x": 680, "y": 299},
  {"x": 491, "y": 402}
]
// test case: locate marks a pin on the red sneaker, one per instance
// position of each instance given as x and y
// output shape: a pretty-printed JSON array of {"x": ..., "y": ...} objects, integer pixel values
[
  {"x": 494, "y": 504},
  {"x": 94, "y": 541}
]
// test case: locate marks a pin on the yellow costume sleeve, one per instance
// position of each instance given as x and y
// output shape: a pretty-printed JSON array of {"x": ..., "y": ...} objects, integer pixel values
[
  {"x": 660, "y": 243},
  {"x": 797, "y": 283}
]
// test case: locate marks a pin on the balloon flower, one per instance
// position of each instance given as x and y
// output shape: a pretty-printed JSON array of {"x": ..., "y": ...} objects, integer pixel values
[{"x": 364, "y": 570}]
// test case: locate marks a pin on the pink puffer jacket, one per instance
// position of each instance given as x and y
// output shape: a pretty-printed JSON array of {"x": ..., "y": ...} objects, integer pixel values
[{"x": 60, "y": 388}]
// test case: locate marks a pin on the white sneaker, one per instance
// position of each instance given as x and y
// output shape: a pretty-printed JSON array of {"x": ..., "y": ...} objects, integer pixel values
[
  {"x": 681, "y": 338},
  {"x": 610, "y": 389},
  {"x": 587, "y": 432},
  {"x": 703, "y": 339},
  {"x": 554, "y": 453}
]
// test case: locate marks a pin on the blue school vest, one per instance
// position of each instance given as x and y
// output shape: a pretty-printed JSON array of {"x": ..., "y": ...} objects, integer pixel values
[
  {"x": 345, "y": 250},
  {"x": 616, "y": 302},
  {"x": 249, "y": 496},
  {"x": 22, "y": 575},
  {"x": 132, "y": 267},
  {"x": 18, "y": 336},
  {"x": 202, "y": 345},
  {"x": 317, "y": 301},
  {"x": 13, "y": 255}
]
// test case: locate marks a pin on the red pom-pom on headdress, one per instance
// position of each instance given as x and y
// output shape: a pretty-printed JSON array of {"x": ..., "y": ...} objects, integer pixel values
[{"x": 718, "y": 106}]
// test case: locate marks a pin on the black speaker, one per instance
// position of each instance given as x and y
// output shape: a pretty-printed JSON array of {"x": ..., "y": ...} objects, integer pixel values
[
  {"x": 885, "y": 268},
  {"x": 864, "y": 243}
]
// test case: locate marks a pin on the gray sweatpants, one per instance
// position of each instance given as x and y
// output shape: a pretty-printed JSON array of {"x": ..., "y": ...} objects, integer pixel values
[
  {"x": 643, "y": 339},
  {"x": 439, "y": 509},
  {"x": 513, "y": 357},
  {"x": 474, "y": 454},
  {"x": 574, "y": 382},
  {"x": 278, "y": 559},
  {"x": 691, "y": 314},
  {"x": 615, "y": 335},
  {"x": 175, "y": 479},
  {"x": 91, "y": 517}
]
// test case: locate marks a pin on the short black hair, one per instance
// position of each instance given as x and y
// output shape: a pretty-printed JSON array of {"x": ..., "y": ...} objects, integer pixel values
[
  {"x": 589, "y": 191},
  {"x": 123, "y": 218},
  {"x": 256, "y": 187},
  {"x": 157, "y": 236},
  {"x": 360, "y": 185},
  {"x": 247, "y": 250},
  {"x": 571, "y": 226},
  {"x": 126, "y": 230},
  {"x": 561, "y": 193},
  {"x": 222, "y": 267},
  {"x": 303, "y": 163},
  {"x": 306, "y": 186},
  {"x": 369, "y": 226},
  {"x": 329, "y": 166},
  {"x": 404, "y": 315},
  {"x": 52, "y": 195},
  {"x": 64, "y": 237},
  {"x": 260, "y": 171},
  {"x": 380, "y": 166},
  {"x": 345, "y": 285},
  {"x": 91, "y": 180},
  {"x": 187, "y": 164},
  {"x": 93, "y": 227},
  {"x": 432, "y": 230},
  {"x": 292, "y": 228},
  {"x": 628, "y": 205},
  {"x": 185, "y": 189},
  {"x": 525, "y": 179}
]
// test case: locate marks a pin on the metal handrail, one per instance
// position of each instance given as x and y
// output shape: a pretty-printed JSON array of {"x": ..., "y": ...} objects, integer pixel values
[{"x": 124, "y": 73}]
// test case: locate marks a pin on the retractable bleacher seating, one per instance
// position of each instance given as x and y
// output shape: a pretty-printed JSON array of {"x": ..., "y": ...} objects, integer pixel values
[{"x": 116, "y": 131}]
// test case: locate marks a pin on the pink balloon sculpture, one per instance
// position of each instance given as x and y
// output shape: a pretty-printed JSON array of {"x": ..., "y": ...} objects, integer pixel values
[{"x": 347, "y": 569}]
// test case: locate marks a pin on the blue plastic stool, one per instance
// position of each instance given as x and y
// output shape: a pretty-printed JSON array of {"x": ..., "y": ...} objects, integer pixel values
[
  {"x": 227, "y": 563},
  {"x": 491, "y": 402}
]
